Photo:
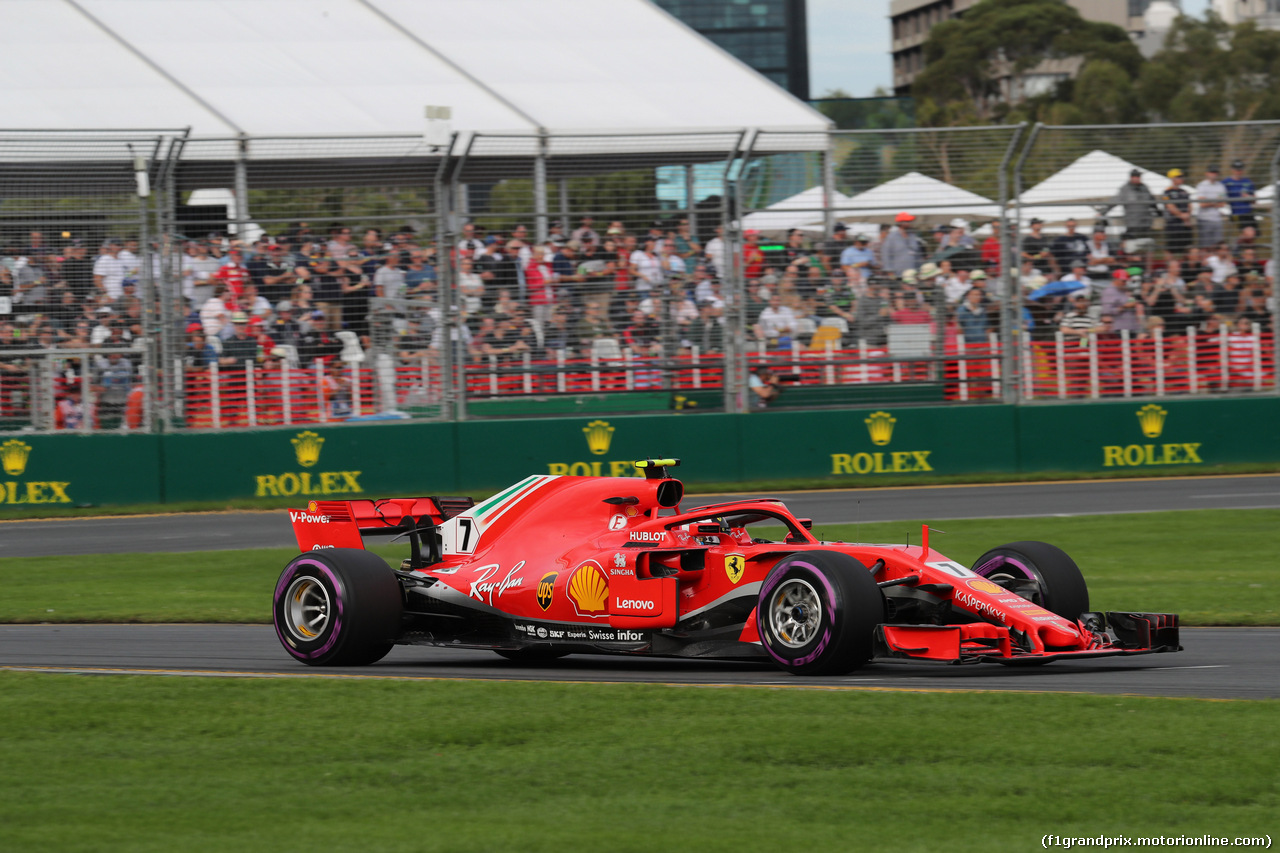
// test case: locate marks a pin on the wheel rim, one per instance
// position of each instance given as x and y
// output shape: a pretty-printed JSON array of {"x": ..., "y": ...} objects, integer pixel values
[
  {"x": 795, "y": 613},
  {"x": 306, "y": 608}
]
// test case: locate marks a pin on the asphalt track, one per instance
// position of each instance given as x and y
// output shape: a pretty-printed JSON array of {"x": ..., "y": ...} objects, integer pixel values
[
  {"x": 230, "y": 530},
  {"x": 1219, "y": 663}
]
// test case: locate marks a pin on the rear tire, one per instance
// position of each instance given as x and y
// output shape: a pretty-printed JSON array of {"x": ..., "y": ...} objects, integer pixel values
[
  {"x": 817, "y": 613},
  {"x": 1059, "y": 583},
  {"x": 337, "y": 607}
]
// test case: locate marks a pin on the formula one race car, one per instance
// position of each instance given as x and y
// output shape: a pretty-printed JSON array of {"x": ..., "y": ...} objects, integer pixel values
[{"x": 557, "y": 565}]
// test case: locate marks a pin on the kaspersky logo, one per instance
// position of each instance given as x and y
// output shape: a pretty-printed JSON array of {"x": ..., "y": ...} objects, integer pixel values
[
  {"x": 880, "y": 431},
  {"x": 14, "y": 455},
  {"x": 1151, "y": 420},
  {"x": 599, "y": 436},
  {"x": 306, "y": 449}
]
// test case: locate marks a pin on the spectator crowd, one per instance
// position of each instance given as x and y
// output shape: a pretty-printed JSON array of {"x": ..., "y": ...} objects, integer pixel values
[{"x": 1189, "y": 258}]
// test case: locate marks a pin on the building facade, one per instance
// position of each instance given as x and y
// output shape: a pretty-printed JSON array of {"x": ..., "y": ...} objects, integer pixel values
[
  {"x": 768, "y": 35},
  {"x": 1265, "y": 13},
  {"x": 912, "y": 20}
]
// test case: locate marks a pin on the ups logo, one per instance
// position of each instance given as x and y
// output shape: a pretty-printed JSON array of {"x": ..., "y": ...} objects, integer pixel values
[{"x": 547, "y": 589}]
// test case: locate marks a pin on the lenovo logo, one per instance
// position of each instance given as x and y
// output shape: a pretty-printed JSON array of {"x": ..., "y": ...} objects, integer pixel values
[{"x": 636, "y": 604}]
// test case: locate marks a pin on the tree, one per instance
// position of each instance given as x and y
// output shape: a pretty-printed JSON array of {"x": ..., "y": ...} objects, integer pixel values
[
  {"x": 1209, "y": 70},
  {"x": 978, "y": 66}
]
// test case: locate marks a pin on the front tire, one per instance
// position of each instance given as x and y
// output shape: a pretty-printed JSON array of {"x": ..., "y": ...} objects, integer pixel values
[
  {"x": 337, "y": 607},
  {"x": 1058, "y": 584},
  {"x": 817, "y": 613}
]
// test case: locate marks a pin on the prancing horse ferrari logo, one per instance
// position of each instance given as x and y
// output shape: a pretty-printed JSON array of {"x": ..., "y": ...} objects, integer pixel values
[{"x": 734, "y": 566}]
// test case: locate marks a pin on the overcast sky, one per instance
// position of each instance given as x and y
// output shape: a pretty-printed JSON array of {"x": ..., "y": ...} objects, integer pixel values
[{"x": 849, "y": 45}]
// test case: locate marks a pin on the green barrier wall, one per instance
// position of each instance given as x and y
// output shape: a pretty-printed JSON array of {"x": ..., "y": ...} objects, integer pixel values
[
  {"x": 316, "y": 463},
  {"x": 844, "y": 447},
  {"x": 861, "y": 445},
  {"x": 65, "y": 470},
  {"x": 1107, "y": 437}
]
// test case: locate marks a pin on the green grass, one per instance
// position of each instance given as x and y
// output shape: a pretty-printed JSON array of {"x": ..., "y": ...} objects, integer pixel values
[
  {"x": 1214, "y": 567},
  {"x": 152, "y": 764},
  {"x": 12, "y": 512}
]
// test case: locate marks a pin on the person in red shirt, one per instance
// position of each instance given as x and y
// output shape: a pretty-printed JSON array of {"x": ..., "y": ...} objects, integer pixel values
[
  {"x": 752, "y": 257},
  {"x": 234, "y": 274},
  {"x": 991, "y": 249}
]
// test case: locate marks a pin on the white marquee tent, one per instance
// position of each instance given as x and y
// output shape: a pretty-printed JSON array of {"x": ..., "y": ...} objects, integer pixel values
[
  {"x": 920, "y": 195},
  {"x": 802, "y": 210},
  {"x": 1079, "y": 190},
  {"x": 227, "y": 68}
]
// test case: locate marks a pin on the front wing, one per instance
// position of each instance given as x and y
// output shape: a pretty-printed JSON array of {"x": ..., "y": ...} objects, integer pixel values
[{"x": 1111, "y": 633}]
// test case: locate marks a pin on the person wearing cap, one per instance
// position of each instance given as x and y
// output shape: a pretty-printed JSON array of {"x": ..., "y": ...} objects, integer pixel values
[
  {"x": 833, "y": 248},
  {"x": 902, "y": 249},
  {"x": 1078, "y": 322},
  {"x": 1211, "y": 209},
  {"x": 1177, "y": 214},
  {"x": 1121, "y": 304},
  {"x": 1240, "y": 193},
  {"x": 858, "y": 259},
  {"x": 272, "y": 272},
  {"x": 1035, "y": 246},
  {"x": 282, "y": 328},
  {"x": 240, "y": 346},
  {"x": 1139, "y": 209}
]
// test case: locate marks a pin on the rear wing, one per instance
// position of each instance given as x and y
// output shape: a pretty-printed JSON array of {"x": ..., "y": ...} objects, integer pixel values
[{"x": 344, "y": 524}]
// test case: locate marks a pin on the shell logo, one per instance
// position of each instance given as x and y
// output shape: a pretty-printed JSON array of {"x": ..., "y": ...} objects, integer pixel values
[
  {"x": 989, "y": 587},
  {"x": 589, "y": 590}
]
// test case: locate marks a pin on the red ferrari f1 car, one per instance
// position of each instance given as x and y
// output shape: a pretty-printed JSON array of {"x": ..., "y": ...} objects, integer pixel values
[{"x": 556, "y": 565}]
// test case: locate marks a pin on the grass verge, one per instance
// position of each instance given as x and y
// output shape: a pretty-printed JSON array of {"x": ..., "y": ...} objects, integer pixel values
[
  {"x": 1215, "y": 567},
  {"x": 26, "y": 511},
  {"x": 150, "y": 764}
]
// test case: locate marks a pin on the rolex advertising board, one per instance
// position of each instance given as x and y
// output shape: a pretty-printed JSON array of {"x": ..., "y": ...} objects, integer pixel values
[
  {"x": 863, "y": 445},
  {"x": 70, "y": 470},
  {"x": 492, "y": 453},
  {"x": 338, "y": 463},
  {"x": 1133, "y": 436}
]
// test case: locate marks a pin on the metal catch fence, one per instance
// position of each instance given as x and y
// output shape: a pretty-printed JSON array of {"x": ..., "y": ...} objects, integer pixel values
[{"x": 253, "y": 282}]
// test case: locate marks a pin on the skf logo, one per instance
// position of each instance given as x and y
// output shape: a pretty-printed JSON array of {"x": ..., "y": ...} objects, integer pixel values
[
  {"x": 547, "y": 589},
  {"x": 307, "y": 447},
  {"x": 1151, "y": 418},
  {"x": 880, "y": 429},
  {"x": 989, "y": 587},
  {"x": 589, "y": 591},
  {"x": 599, "y": 436},
  {"x": 14, "y": 454},
  {"x": 734, "y": 566},
  {"x": 880, "y": 426}
]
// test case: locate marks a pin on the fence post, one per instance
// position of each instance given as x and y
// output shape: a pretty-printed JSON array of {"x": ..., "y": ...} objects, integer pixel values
[
  {"x": 1011, "y": 308},
  {"x": 250, "y": 392},
  {"x": 735, "y": 350},
  {"x": 215, "y": 395}
]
